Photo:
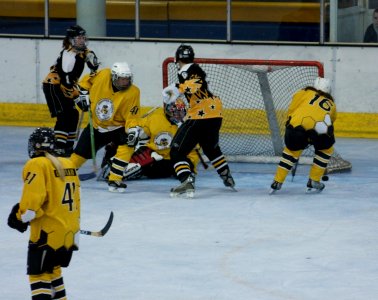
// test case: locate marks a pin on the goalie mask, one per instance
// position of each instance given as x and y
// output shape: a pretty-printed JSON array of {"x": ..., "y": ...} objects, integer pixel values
[
  {"x": 41, "y": 140},
  {"x": 175, "y": 111},
  {"x": 122, "y": 77},
  {"x": 184, "y": 53},
  {"x": 77, "y": 37}
]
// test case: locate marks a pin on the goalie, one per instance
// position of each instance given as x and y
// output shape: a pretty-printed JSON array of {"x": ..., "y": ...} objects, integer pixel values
[
  {"x": 311, "y": 115},
  {"x": 153, "y": 136}
]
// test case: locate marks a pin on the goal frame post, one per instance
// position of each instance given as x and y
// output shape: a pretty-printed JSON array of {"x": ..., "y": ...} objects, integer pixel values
[{"x": 261, "y": 68}]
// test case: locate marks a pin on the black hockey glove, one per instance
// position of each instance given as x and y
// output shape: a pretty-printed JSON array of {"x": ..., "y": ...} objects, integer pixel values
[
  {"x": 15, "y": 223},
  {"x": 83, "y": 100},
  {"x": 92, "y": 61}
]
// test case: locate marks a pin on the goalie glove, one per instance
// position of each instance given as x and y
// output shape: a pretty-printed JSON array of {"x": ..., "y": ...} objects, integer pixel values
[
  {"x": 142, "y": 156},
  {"x": 170, "y": 93},
  {"x": 92, "y": 61},
  {"x": 15, "y": 223},
  {"x": 134, "y": 135},
  {"x": 83, "y": 100}
]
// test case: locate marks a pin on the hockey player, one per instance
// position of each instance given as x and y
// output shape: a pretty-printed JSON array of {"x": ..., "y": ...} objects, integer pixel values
[
  {"x": 60, "y": 89},
  {"x": 311, "y": 115},
  {"x": 202, "y": 123},
  {"x": 50, "y": 204},
  {"x": 114, "y": 102},
  {"x": 155, "y": 133}
]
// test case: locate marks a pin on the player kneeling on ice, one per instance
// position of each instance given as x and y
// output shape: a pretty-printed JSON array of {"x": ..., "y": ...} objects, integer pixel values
[
  {"x": 50, "y": 204},
  {"x": 311, "y": 115},
  {"x": 154, "y": 134}
]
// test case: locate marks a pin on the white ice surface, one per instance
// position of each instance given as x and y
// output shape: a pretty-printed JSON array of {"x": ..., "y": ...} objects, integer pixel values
[{"x": 221, "y": 245}]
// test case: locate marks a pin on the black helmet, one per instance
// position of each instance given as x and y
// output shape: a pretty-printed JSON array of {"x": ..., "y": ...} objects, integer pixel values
[
  {"x": 41, "y": 140},
  {"x": 75, "y": 31},
  {"x": 185, "y": 53}
]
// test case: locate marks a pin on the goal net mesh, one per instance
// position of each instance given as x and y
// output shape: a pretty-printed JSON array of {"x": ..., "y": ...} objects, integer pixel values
[{"x": 255, "y": 96}]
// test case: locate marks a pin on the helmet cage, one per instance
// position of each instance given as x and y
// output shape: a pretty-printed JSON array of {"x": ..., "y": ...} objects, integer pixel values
[
  {"x": 175, "y": 111},
  {"x": 77, "y": 37},
  {"x": 41, "y": 140}
]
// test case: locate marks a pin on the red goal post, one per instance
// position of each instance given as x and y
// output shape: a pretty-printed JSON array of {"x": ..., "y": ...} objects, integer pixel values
[{"x": 255, "y": 96}]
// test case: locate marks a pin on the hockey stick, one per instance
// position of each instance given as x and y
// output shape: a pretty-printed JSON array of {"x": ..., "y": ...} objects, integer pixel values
[
  {"x": 294, "y": 170},
  {"x": 87, "y": 176},
  {"x": 93, "y": 149},
  {"x": 92, "y": 174},
  {"x": 150, "y": 111},
  {"x": 103, "y": 231},
  {"x": 79, "y": 125},
  {"x": 204, "y": 164}
]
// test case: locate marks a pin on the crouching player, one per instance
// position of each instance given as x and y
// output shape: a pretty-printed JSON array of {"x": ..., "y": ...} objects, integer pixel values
[
  {"x": 50, "y": 204},
  {"x": 311, "y": 115},
  {"x": 153, "y": 136}
]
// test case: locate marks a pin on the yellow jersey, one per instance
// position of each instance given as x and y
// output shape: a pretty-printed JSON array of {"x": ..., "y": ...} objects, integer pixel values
[
  {"x": 202, "y": 103},
  {"x": 308, "y": 107},
  {"x": 110, "y": 110},
  {"x": 52, "y": 205}
]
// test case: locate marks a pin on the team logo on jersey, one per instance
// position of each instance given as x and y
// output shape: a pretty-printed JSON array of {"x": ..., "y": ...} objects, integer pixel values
[
  {"x": 184, "y": 75},
  {"x": 163, "y": 140},
  {"x": 104, "y": 109}
]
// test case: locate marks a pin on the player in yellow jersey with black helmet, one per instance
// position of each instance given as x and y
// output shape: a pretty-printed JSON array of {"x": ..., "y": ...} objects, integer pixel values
[
  {"x": 114, "y": 102},
  {"x": 50, "y": 204},
  {"x": 311, "y": 115},
  {"x": 202, "y": 123}
]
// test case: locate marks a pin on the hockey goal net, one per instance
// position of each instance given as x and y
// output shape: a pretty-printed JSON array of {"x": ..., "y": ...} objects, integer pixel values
[{"x": 255, "y": 96}]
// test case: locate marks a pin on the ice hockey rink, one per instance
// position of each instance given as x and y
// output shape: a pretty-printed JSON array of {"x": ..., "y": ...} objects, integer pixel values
[{"x": 221, "y": 245}]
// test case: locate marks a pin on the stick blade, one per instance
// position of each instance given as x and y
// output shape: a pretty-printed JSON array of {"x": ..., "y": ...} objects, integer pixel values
[
  {"x": 104, "y": 230},
  {"x": 87, "y": 176}
]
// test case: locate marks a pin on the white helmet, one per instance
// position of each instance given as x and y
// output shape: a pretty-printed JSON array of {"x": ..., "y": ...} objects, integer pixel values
[
  {"x": 121, "y": 70},
  {"x": 323, "y": 84}
]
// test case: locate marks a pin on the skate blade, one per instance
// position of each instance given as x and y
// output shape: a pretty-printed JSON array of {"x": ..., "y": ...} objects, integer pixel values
[
  {"x": 313, "y": 191},
  {"x": 233, "y": 189},
  {"x": 116, "y": 190},
  {"x": 272, "y": 191},
  {"x": 187, "y": 194}
]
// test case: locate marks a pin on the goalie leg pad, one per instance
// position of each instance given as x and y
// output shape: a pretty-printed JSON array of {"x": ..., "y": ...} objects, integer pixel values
[{"x": 132, "y": 171}]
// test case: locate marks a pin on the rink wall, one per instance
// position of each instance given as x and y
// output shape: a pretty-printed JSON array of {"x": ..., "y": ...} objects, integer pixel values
[{"x": 26, "y": 61}]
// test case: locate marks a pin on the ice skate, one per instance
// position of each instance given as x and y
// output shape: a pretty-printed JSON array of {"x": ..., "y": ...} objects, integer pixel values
[
  {"x": 275, "y": 186},
  {"x": 314, "y": 186},
  {"x": 228, "y": 181},
  {"x": 185, "y": 189},
  {"x": 116, "y": 186}
]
